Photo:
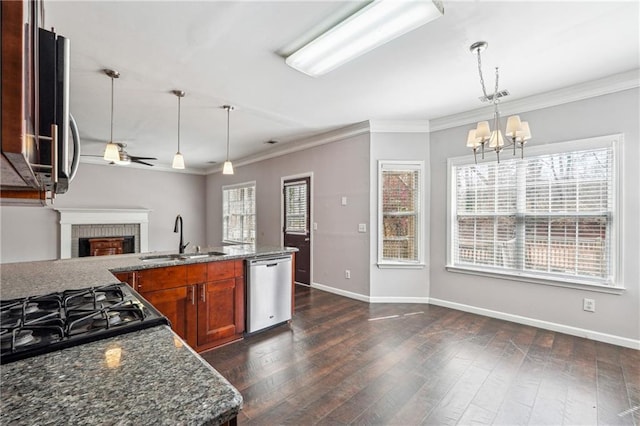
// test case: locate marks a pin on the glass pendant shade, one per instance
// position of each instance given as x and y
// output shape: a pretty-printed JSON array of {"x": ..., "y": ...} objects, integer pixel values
[
  {"x": 227, "y": 168},
  {"x": 112, "y": 152},
  {"x": 178, "y": 161}
]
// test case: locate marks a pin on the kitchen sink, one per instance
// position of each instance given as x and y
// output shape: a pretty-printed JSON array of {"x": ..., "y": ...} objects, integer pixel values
[
  {"x": 161, "y": 258},
  {"x": 184, "y": 256}
]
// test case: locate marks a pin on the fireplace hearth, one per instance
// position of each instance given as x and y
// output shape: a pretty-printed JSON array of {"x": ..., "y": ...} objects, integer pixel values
[{"x": 78, "y": 223}]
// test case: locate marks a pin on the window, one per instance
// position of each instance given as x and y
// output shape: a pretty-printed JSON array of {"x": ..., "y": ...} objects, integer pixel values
[
  {"x": 296, "y": 213},
  {"x": 239, "y": 213},
  {"x": 400, "y": 213},
  {"x": 548, "y": 216}
]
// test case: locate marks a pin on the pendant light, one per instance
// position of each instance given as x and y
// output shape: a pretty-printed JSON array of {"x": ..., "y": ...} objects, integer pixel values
[
  {"x": 178, "y": 159},
  {"x": 227, "y": 169},
  {"x": 112, "y": 151}
]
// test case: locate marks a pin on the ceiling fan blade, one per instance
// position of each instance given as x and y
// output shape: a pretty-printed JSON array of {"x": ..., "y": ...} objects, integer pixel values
[
  {"x": 135, "y": 157},
  {"x": 135, "y": 160}
]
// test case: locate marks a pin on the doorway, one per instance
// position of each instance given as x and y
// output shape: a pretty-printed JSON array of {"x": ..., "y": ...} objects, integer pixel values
[{"x": 296, "y": 220}]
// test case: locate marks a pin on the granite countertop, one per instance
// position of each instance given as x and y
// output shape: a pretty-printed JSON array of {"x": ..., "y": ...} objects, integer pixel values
[
  {"x": 145, "y": 377},
  {"x": 42, "y": 277}
]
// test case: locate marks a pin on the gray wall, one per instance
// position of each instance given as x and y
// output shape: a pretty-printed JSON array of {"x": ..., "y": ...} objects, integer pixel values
[
  {"x": 399, "y": 284},
  {"x": 339, "y": 169},
  {"x": 31, "y": 233},
  {"x": 617, "y": 315}
]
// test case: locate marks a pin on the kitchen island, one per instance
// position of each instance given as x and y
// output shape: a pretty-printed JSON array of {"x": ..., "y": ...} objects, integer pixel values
[{"x": 144, "y": 377}]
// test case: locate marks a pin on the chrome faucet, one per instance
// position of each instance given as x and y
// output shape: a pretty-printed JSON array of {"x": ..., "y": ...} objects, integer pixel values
[{"x": 182, "y": 246}]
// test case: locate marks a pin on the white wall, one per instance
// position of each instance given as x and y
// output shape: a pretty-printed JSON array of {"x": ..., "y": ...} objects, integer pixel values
[
  {"x": 339, "y": 169},
  {"x": 398, "y": 285},
  {"x": 616, "y": 315},
  {"x": 31, "y": 233}
]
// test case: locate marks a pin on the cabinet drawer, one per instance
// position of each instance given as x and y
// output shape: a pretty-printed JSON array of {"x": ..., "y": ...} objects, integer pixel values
[
  {"x": 197, "y": 273},
  {"x": 221, "y": 270},
  {"x": 161, "y": 278}
]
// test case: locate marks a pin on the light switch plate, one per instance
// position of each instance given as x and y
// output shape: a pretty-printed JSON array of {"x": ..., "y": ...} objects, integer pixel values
[
  {"x": 344, "y": 201},
  {"x": 362, "y": 227},
  {"x": 315, "y": 226}
]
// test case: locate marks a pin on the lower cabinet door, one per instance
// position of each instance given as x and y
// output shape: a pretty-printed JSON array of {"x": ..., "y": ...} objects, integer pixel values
[
  {"x": 178, "y": 305},
  {"x": 220, "y": 311}
]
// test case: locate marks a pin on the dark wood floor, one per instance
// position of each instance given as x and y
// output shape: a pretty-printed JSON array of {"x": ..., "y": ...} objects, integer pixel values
[{"x": 341, "y": 362}]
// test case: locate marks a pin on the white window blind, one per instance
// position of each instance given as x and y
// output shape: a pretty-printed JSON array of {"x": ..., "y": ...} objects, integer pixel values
[
  {"x": 400, "y": 212},
  {"x": 238, "y": 213},
  {"x": 546, "y": 216},
  {"x": 297, "y": 209}
]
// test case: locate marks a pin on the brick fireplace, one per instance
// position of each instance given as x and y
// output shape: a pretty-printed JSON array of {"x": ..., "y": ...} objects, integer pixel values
[{"x": 82, "y": 224}]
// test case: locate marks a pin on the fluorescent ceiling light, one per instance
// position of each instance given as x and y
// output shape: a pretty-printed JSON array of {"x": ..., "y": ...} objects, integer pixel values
[{"x": 372, "y": 26}]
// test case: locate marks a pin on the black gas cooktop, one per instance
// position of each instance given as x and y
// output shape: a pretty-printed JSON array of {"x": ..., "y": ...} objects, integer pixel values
[{"x": 35, "y": 325}]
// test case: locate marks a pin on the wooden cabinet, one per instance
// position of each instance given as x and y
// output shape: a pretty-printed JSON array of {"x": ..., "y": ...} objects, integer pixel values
[
  {"x": 221, "y": 304},
  {"x": 204, "y": 301}
]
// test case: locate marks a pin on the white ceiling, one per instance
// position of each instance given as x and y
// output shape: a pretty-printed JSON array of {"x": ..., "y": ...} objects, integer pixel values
[{"x": 231, "y": 53}]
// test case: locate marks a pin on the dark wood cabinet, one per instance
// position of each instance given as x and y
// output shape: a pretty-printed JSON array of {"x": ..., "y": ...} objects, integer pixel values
[
  {"x": 221, "y": 316},
  {"x": 204, "y": 301},
  {"x": 177, "y": 304}
]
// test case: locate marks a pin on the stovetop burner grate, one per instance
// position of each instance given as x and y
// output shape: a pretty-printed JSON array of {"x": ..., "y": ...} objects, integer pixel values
[{"x": 36, "y": 325}]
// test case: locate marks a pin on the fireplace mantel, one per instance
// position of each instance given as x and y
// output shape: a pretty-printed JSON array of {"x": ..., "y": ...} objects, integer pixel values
[{"x": 84, "y": 216}]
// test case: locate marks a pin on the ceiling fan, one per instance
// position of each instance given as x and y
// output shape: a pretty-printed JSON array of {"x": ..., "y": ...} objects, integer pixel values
[
  {"x": 124, "y": 157},
  {"x": 115, "y": 151}
]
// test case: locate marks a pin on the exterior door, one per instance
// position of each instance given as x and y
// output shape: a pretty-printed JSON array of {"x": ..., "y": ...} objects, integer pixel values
[{"x": 297, "y": 224}]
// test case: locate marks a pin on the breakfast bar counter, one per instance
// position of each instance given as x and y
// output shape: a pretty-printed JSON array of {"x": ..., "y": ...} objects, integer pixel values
[{"x": 148, "y": 376}]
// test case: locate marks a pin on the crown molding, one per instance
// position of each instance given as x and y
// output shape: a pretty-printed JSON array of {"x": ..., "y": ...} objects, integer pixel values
[
  {"x": 399, "y": 126},
  {"x": 590, "y": 89},
  {"x": 302, "y": 144}
]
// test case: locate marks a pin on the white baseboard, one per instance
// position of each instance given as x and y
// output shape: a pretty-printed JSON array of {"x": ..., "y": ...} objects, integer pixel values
[
  {"x": 340, "y": 292},
  {"x": 574, "y": 331},
  {"x": 369, "y": 299},
  {"x": 390, "y": 299}
]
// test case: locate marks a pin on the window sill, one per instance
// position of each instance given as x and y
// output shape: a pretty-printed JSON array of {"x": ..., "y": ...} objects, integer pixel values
[
  {"x": 401, "y": 265},
  {"x": 534, "y": 280}
]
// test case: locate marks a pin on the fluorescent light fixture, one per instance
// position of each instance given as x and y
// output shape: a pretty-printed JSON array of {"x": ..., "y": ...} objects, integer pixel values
[{"x": 374, "y": 25}]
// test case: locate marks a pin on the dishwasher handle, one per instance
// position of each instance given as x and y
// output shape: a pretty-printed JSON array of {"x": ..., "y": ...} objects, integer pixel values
[{"x": 269, "y": 262}]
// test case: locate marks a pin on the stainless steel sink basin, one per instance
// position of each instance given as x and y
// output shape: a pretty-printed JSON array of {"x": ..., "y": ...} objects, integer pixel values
[
  {"x": 161, "y": 257},
  {"x": 194, "y": 255},
  {"x": 175, "y": 256}
]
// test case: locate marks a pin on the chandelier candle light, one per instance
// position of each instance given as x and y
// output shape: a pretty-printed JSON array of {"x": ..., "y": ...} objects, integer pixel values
[
  {"x": 178, "y": 159},
  {"x": 517, "y": 132}
]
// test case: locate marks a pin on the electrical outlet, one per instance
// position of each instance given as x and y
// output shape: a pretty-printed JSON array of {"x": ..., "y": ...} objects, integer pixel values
[
  {"x": 347, "y": 274},
  {"x": 589, "y": 305},
  {"x": 362, "y": 227}
]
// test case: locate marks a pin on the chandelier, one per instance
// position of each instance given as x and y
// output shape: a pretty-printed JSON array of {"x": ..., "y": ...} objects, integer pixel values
[{"x": 517, "y": 132}]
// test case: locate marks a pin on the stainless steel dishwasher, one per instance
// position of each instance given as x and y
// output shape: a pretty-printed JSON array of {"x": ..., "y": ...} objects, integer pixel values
[{"x": 268, "y": 292}]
